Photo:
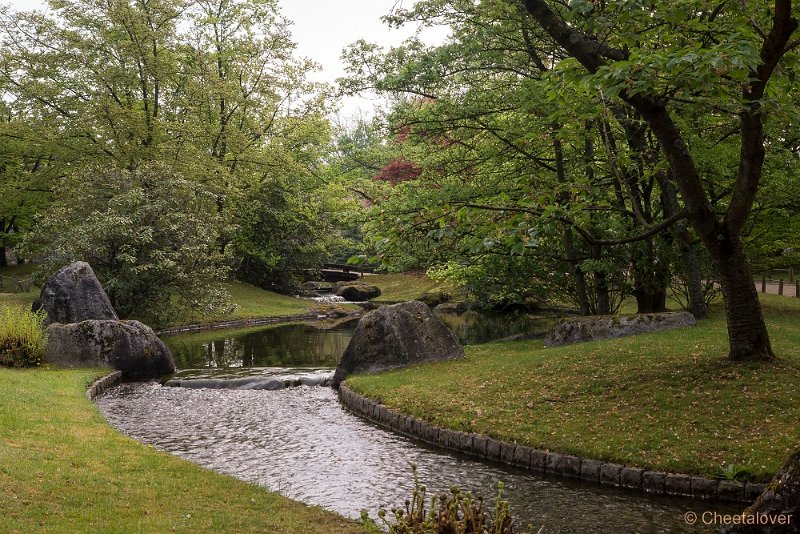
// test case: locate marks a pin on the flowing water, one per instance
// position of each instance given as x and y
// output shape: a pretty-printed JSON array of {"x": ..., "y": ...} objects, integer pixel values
[{"x": 302, "y": 443}]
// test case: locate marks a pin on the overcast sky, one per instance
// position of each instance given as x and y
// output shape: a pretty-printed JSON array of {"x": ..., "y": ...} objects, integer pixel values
[{"x": 323, "y": 28}]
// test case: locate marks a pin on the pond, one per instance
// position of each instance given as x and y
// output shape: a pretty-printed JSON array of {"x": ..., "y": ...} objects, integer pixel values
[
  {"x": 317, "y": 345},
  {"x": 302, "y": 443}
]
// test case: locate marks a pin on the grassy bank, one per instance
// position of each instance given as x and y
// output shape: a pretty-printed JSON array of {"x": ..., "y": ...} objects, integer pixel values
[
  {"x": 63, "y": 469},
  {"x": 668, "y": 401},
  {"x": 409, "y": 286}
]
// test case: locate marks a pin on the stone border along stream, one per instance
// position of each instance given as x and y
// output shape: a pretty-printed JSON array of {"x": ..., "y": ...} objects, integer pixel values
[
  {"x": 102, "y": 384},
  {"x": 549, "y": 463}
]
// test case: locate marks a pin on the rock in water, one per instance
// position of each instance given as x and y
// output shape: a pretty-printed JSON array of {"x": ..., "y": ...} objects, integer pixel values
[
  {"x": 128, "y": 346},
  {"x": 777, "y": 509},
  {"x": 356, "y": 291},
  {"x": 579, "y": 329},
  {"x": 397, "y": 336},
  {"x": 74, "y": 294}
]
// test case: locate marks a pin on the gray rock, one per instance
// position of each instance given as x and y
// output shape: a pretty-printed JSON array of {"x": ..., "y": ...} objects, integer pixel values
[
  {"x": 631, "y": 477},
  {"x": 395, "y": 337},
  {"x": 678, "y": 484},
  {"x": 779, "y": 505},
  {"x": 128, "y": 346},
  {"x": 356, "y": 292},
  {"x": 704, "y": 488},
  {"x": 590, "y": 470},
  {"x": 579, "y": 329},
  {"x": 610, "y": 474},
  {"x": 74, "y": 294},
  {"x": 654, "y": 482}
]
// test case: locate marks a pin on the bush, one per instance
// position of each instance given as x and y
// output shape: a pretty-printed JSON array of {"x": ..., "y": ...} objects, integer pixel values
[
  {"x": 457, "y": 513},
  {"x": 150, "y": 235},
  {"x": 22, "y": 337}
]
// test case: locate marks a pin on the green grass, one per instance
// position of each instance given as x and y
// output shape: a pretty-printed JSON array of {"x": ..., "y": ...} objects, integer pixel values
[
  {"x": 17, "y": 299},
  {"x": 408, "y": 286},
  {"x": 63, "y": 469},
  {"x": 668, "y": 401}
]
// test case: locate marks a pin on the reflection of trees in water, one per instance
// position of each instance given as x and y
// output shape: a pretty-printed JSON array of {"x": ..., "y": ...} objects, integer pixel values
[
  {"x": 309, "y": 345},
  {"x": 282, "y": 346},
  {"x": 480, "y": 327}
]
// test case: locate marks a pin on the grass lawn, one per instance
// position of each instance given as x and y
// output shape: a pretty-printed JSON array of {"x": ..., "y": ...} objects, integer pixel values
[
  {"x": 408, "y": 286},
  {"x": 63, "y": 469},
  {"x": 668, "y": 401}
]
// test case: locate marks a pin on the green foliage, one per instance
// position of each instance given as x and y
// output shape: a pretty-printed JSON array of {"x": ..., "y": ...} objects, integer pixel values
[
  {"x": 207, "y": 88},
  {"x": 281, "y": 233},
  {"x": 733, "y": 473},
  {"x": 22, "y": 337},
  {"x": 149, "y": 234},
  {"x": 455, "y": 513}
]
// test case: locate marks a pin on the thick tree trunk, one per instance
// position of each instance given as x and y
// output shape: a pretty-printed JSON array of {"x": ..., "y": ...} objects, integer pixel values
[{"x": 747, "y": 332}]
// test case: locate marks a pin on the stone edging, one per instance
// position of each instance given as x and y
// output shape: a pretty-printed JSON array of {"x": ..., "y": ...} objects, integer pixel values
[
  {"x": 255, "y": 321},
  {"x": 550, "y": 463},
  {"x": 99, "y": 386}
]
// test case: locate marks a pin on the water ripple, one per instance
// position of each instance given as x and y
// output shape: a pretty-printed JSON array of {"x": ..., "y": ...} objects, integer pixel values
[{"x": 302, "y": 443}]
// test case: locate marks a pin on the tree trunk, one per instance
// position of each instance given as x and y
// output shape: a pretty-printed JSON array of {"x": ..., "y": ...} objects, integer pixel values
[
  {"x": 3, "y": 258},
  {"x": 651, "y": 301},
  {"x": 747, "y": 332},
  {"x": 691, "y": 263},
  {"x": 577, "y": 273},
  {"x": 600, "y": 285},
  {"x": 694, "y": 278}
]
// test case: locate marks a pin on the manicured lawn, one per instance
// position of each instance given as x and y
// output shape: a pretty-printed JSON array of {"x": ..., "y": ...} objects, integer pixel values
[
  {"x": 668, "y": 400},
  {"x": 409, "y": 286},
  {"x": 63, "y": 469}
]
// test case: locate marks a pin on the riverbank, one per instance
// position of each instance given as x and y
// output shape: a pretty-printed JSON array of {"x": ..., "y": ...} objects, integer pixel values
[
  {"x": 63, "y": 469},
  {"x": 667, "y": 401}
]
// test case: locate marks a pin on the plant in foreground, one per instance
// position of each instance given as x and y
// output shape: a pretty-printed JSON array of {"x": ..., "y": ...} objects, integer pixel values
[
  {"x": 456, "y": 513},
  {"x": 22, "y": 337}
]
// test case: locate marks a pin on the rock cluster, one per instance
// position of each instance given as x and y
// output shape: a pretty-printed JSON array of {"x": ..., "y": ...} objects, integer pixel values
[{"x": 84, "y": 330}]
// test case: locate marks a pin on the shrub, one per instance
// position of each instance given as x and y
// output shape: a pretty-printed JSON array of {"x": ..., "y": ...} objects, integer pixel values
[
  {"x": 456, "y": 513},
  {"x": 22, "y": 337},
  {"x": 150, "y": 235}
]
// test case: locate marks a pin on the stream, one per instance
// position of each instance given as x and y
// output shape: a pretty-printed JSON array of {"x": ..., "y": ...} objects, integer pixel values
[{"x": 301, "y": 442}]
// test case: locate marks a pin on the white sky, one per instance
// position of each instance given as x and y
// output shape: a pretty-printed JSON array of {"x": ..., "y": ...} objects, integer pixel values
[{"x": 323, "y": 28}]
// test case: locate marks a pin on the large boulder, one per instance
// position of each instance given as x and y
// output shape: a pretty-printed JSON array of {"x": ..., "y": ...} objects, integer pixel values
[
  {"x": 579, "y": 329},
  {"x": 128, "y": 346},
  {"x": 356, "y": 292},
  {"x": 397, "y": 336},
  {"x": 74, "y": 294},
  {"x": 777, "y": 509}
]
